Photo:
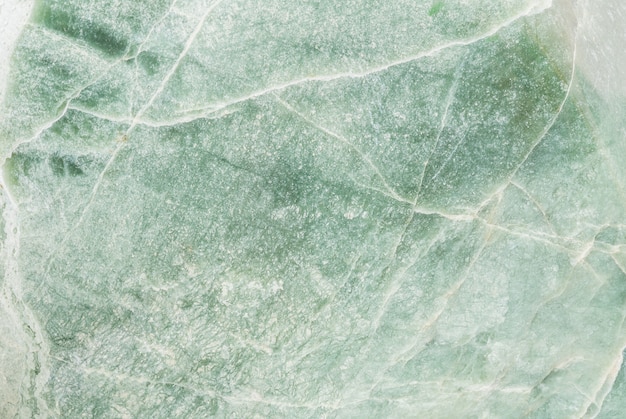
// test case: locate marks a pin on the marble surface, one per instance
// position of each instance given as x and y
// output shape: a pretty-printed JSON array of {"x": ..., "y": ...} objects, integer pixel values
[{"x": 362, "y": 208}]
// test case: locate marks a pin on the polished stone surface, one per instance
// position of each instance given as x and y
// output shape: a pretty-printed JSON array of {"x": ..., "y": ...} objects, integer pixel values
[{"x": 363, "y": 208}]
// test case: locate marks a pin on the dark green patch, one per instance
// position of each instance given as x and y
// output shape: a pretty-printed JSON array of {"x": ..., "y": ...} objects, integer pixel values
[
  {"x": 95, "y": 35},
  {"x": 519, "y": 85},
  {"x": 149, "y": 62},
  {"x": 612, "y": 235},
  {"x": 435, "y": 8},
  {"x": 289, "y": 184},
  {"x": 65, "y": 165},
  {"x": 20, "y": 165}
]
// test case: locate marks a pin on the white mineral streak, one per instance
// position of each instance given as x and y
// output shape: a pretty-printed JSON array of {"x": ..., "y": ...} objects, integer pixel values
[
  {"x": 601, "y": 59},
  {"x": 596, "y": 54},
  {"x": 13, "y": 17},
  {"x": 24, "y": 348}
]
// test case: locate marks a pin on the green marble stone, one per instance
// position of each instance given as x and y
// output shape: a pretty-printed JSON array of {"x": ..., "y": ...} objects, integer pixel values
[{"x": 341, "y": 209}]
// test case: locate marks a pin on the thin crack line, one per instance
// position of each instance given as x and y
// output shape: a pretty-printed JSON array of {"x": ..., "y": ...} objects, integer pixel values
[
  {"x": 449, "y": 101},
  {"x": 216, "y": 107},
  {"x": 361, "y": 154},
  {"x": 121, "y": 144},
  {"x": 173, "y": 69},
  {"x": 554, "y": 118}
]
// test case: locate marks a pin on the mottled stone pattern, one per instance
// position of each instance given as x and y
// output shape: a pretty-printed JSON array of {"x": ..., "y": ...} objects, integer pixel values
[{"x": 351, "y": 209}]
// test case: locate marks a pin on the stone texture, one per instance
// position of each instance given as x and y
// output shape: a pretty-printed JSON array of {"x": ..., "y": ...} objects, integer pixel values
[{"x": 315, "y": 209}]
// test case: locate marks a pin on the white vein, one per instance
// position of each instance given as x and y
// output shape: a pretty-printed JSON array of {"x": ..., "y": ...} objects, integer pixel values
[
  {"x": 388, "y": 190},
  {"x": 447, "y": 160},
  {"x": 400, "y": 275},
  {"x": 445, "y": 298},
  {"x": 535, "y": 236},
  {"x": 179, "y": 60},
  {"x": 605, "y": 386},
  {"x": 361, "y": 154},
  {"x": 98, "y": 183},
  {"x": 379, "y": 190},
  {"x": 140, "y": 49},
  {"x": 68, "y": 100},
  {"x": 121, "y": 144},
  {"x": 153, "y": 28},
  {"x": 619, "y": 264},
  {"x": 541, "y": 136},
  {"x": 554, "y": 118},
  {"x": 66, "y": 106},
  {"x": 430, "y": 322},
  {"x": 128, "y": 378},
  {"x": 535, "y": 203},
  {"x": 533, "y": 8},
  {"x": 457, "y": 286},
  {"x": 99, "y": 115},
  {"x": 444, "y": 119}
]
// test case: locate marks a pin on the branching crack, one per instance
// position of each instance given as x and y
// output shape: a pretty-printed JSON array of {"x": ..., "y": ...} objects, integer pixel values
[
  {"x": 556, "y": 115},
  {"x": 65, "y": 107},
  {"x": 389, "y": 191},
  {"x": 177, "y": 63},
  {"x": 444, "y": 120},
  {"x": 120, "y": 145},
  {"x": 216, "y": 107},
  {"x": 536, "y": 204}
]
